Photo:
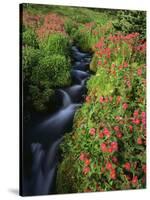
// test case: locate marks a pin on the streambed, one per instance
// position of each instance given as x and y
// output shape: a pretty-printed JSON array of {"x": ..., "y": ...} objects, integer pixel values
[{"x": 41, "y": 143}]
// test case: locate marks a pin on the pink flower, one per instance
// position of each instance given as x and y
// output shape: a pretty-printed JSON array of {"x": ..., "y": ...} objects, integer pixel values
[
  {"x": 120, "y": 67},
  {"x": 113, "y": 174},
  {"x": 106, "y": 100},
  {"x": 82, "y": 156},
  {"x": 87, "y": 162},
  {"x": 99, "y": 62},
  {"x": 125, "y": 106},
  {"x": 128, "y": 84},
  {"x": 86, "y": 170},
  {"x": 139, "y": 140},
  {"x": 87, "y": 99},
  {"x": 143, "y": 114},
  {"x": 110, "y": 98},
  {"x": 136, "y": 121},
  {"x": 131, "y": 128},
  {"x": 134, "y": 180},
  {"x": 119, "y": 135},
  {"x": 143, "y": 121},
  {"x": 105, "y": 61},
  {"x": 106, "y": 132},
  {"x": 136, "y": 113},
  {"x": 101, "y": 99},
  {"x": 114, "y": 159},
  {"x": 118, "y": 118},
  {"x": 101, "y": 135},
  {"x": 108, "y": 166},
  {"x": 92, "y": 131},
  {"x": 127, "y": 166},
  {"x": 116, "y": 128},
  {"x": 139, "y": 71},
  {"x": 114, "y": 146},
  {"x": 110, "y": 150},
  {"x": 118, "y": 99},
  {"x": 125, "y": 64},
  {"x": 103, "y": 147}
]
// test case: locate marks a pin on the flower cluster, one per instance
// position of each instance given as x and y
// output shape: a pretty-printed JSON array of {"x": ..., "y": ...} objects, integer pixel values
[
  {"x": 85, "y": 159},
  {"x": 120, "y": 37},
  {"x": 110, "y": 147},
  {"x": 31, "y": 20},
  {"x": 53, "y": 23},
  {"x": 120, "y": 122}
]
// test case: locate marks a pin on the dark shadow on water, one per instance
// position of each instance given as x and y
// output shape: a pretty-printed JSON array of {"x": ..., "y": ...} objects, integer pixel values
[{"x": 14, "y": 191}]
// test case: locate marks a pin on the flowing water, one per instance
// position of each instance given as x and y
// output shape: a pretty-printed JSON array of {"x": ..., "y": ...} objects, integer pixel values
[{"x": 41, "y": 143}]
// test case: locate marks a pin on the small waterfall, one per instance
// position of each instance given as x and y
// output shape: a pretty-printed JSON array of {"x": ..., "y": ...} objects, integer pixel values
[
  {"x": 59, "y": 119},
  {"x": 66, "y": 98},
  {"x": 77, "y": 54},
  {"x": 83, "y": 81},
  {"x": 79, "y": 75},
  {"x": 52, "y": 154},
  {"x": 42, "y": 177},
  {"x": 38, "y": 155},
  {"x": 75, "y": 92},
  {"x": 82, "y": 65}
]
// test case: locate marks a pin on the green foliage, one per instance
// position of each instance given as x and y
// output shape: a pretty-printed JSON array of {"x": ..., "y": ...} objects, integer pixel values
[
  {"x": 93, "y": 64},
  {"x": 53, "y": 70},
  {"x": 87, "y": 35},
  {"x": 70, "y": 26},
  {"x": 30, "y": 60},
  {"x": 55, "y": 44},
  {"x": 41, "y": 99},
  {"x": 65, "y": 181},
  {"x": 102, "y": 84},
  {"x": 44, "y": 69},
  {"x": 82, "y": 39},
  {"x": 131, "y": 21},
  {"x": 29, "y": 38}
]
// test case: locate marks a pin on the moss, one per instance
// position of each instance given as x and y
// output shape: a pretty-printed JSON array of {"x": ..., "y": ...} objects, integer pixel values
[
  {"x": 93, "y": 64},
  {"x": 66, "y": 179}
]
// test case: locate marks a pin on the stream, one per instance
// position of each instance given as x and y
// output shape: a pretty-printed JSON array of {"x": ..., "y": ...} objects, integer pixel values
[{"x": 42, "y": 139}]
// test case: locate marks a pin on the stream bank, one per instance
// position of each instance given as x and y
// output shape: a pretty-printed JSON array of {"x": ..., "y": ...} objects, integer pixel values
[{"x": 41, "y": 145}]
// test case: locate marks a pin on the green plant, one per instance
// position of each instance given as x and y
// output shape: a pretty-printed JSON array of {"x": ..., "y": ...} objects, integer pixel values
[
  {"x": 29, "y": 38},
  {"x": 55, "y": 44},
  {"x": 44, "y": 68},
  {"x": 54, "y": 69},
  {"x": 42, "y": 99},
  {"x": 30, "y": 59},
  {"x": 93, "y": 64},
  {"x": 70, "y": 26},
  {"x": 131, "y": 21}
]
